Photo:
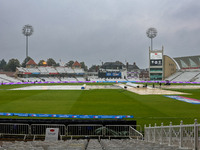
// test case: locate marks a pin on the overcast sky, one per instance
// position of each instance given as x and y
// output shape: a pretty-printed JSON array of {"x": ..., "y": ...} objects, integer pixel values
[{"x": 96, "y": 31}]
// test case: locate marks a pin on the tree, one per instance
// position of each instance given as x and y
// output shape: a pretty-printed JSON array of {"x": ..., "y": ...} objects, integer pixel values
[
  {"x": 42, "y": 63},
  {"x": 70, "y": 63},
  {"x": 25, "y": 61},
  {"x": 57, "y": 65},
  {"x": 2, "y": 64},
  {"x": 94, "y": 68},
  {"x": 83, "y": 66},
  {"x": 12, "y": 64},
  {"x": 51, "y": 62}
]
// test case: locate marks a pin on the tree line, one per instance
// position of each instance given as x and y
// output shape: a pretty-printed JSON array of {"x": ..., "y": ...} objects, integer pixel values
[{"x": 13, "y": 63}]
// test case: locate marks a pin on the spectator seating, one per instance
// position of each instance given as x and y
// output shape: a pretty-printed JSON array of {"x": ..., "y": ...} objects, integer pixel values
[
  {"x": 32, "y": 70},
  {"x": 83, "y": 144},
  {"x": 173, "y": 76},
  {"x": 51, "y": 70},
  {"x": 80, "y": 78},
  {"x": 49, "y": 79},
  {"x": 60, "y": 70},
  {"x": 21, "y": 69},
  {"x": 71, "y": 79},
  {"x": 189, "y": 75},
  {"x": 43, "y": 70},
  {"x": 197, "y": 78},
  {"x": 79, "y": 71},
  {"x": 133, "y": 79},
  {"x": 31, "y": 79},
  {"x": 186, "y": 76},
  {"x": 4, "y": 78},
  {"x": 69, "y": 70}
]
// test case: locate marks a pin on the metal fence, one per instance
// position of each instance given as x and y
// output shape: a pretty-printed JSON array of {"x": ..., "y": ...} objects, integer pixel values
[
  {"x": 186, "y": 136},
  {"x": 122, "y": 131},
  {"x": 77, "y": 130},
  {"x": 14, "y": 129},
  {"x": 40, "y": 129},
  {"x": 85, "y": 130}
]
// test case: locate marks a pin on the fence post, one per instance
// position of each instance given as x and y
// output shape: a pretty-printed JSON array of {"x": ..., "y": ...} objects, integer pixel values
[
  {"x": 145, "y": 133},
  {"x": 150, "y": 133},
  {"x": 195, "y": 135},
  {"x": 170, "y": 134},
  {"x": 29, "y": 130},
  {"x": 181, "y": 134},
  {"x": 155, "y": 133},
  {"x": 161, "y": 133}
]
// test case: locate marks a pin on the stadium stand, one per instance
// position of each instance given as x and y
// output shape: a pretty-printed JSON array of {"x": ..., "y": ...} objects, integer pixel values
[
  {"x": 32, "y": 70},
  {"x": 80, "y": 79},
  {"x": 21, "y": 69},
  {"x": 60, "y": 70},
  {"x": 31, "y": 79},
  {"x": 84, "y": 144},
  {"x": 173, "y": 76},
  {"x": 50, "y": 79},
  {"x": 185, "y": 75},
  {"x": 4, "y": 78},
  {"x": 43, "y": 70},
  {"x": 197, "y": 78},
  {"x": 69, "y": 70},
  {"x": 51, "y": 70},
  {"x": 79, "y": 71},
  {"x": 71, "y": 79},
  {"x": 133, "y": 79},
  {"x": 115, "y": 79}
]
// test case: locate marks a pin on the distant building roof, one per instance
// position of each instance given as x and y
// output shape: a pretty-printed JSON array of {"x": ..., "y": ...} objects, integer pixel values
[
  {"x": 76, "y": 63},
  {"x": 130, "y": 67},
  {"x": 31, "y": 62},
  {"x": 113, "y": 64}
]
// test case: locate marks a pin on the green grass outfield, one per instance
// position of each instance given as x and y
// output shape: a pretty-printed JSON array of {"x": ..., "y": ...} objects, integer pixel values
[{"x": 146, "y": 109}]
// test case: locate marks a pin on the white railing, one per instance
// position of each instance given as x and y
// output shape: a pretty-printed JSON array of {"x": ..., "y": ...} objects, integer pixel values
[
  {"x": 122, "y": 131},
  {"x": 184, "y": 136},
  {"x": 133, "y": 133}
]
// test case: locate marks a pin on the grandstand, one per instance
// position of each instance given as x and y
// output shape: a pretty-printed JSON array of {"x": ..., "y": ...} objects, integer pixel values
[
  {"x": 189, "y": 69},
  {"x": 190, "y": 75},
  {"x": 92, "y": 144},
  {"x": 43, "y": 70},
  {"x": 5, "y": 79},
  {"x": 50, "y": 74}
]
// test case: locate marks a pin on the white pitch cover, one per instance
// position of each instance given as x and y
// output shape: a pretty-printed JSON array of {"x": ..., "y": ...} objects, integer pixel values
[
  {"x": 155, "y": 55},
  {"x": 52, "y": 134}
]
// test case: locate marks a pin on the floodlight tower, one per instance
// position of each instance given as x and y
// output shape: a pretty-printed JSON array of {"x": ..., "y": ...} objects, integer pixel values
[
  {"x": 151, "y": 33},
  {"x": 27, "y": 30}
]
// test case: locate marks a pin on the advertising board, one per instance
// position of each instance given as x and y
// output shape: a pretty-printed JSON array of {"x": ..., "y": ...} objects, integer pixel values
[
  {"x": 156, "y": 62},
  {"x": 156, "y": 56},
  {"x": 113, "y": 74},
  {"x": 52, "y": 134}
]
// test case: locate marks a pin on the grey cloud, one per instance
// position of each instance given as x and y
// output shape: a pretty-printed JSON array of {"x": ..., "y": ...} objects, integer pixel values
[{"x": 97, "y": 30}]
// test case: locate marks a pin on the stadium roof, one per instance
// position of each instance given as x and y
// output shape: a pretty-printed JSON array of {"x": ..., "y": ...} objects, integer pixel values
[
  {"x": 113, "y": 64},
  {"x": 31, "y": 62},
  {"x": 134, "y": 66},
  {"x": 76, "y": 64},
  {"x": 188, "y": 62}
]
